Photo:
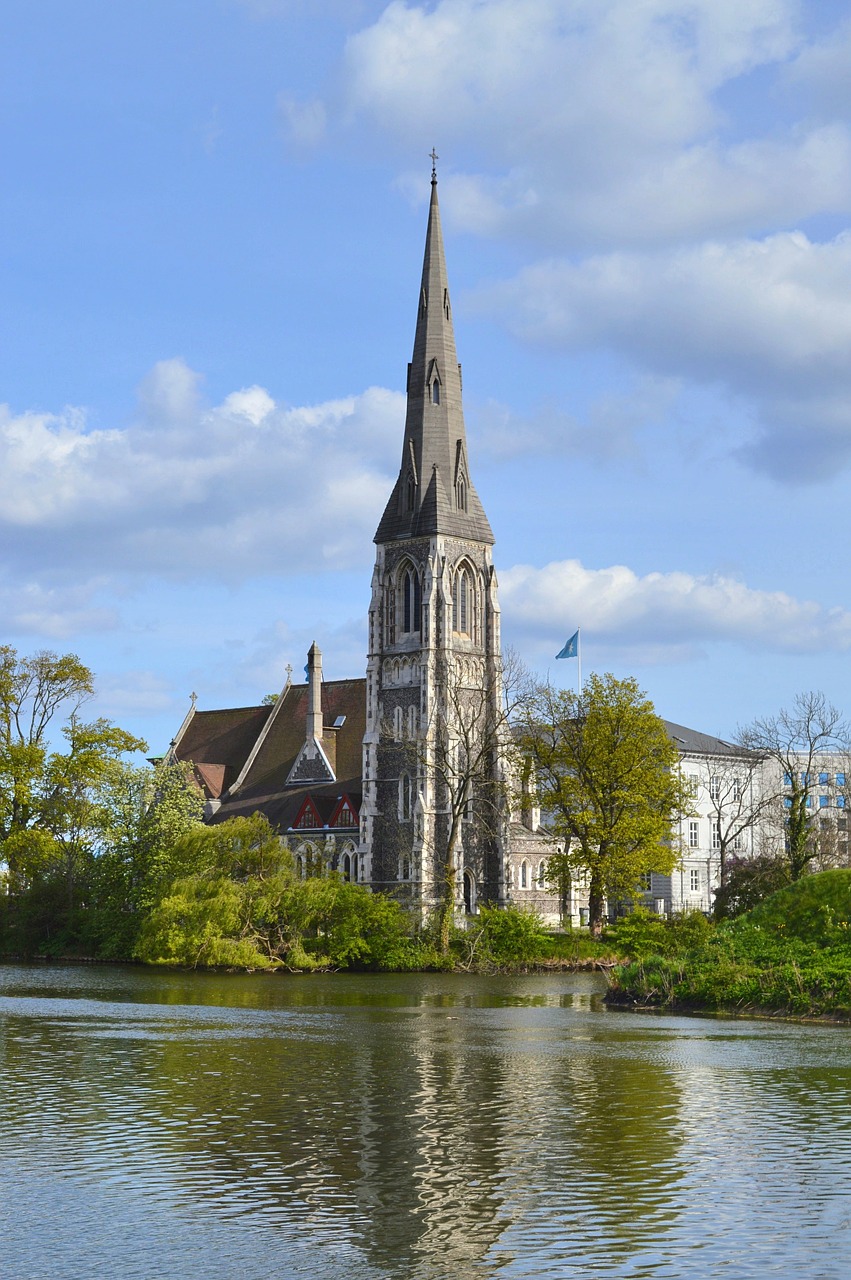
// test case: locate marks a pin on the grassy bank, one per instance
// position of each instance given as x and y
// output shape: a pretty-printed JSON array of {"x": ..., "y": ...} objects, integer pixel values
[{"x": 790, "y": 956}]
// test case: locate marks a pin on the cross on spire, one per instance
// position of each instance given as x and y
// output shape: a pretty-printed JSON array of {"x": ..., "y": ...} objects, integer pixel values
[{"x": 434, "y": 159}]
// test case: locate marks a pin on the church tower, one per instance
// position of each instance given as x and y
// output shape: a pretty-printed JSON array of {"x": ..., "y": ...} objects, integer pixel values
[{"x": 431, "y": 819}]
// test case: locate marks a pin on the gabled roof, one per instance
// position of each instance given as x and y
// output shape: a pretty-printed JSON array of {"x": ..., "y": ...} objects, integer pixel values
[{"x": 221, "y": 745}]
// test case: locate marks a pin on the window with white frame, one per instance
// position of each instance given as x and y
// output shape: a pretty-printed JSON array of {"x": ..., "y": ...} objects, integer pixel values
[
  {"x": 693, "y": 783},
  {"x": 524, "y": 874},
  {"x": 693, "y": 834},
  {"x": 693, "y": 879},
  {"x": 716, "y": 835},
  {"x": 715, "y": 787},
  {"x": 738, "y": 789},
  {"x": 542, "y": 876}
]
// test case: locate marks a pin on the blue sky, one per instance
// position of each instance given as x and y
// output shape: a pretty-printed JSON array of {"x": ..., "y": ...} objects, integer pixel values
[{"x": 211, "y": 226}]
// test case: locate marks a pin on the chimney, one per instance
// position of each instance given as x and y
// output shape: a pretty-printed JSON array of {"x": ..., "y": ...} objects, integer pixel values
[{"x": 314, "y": 694}]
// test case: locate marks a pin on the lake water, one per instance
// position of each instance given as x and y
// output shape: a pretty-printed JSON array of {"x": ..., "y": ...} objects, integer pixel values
[{"x": 190, "y": 1125}]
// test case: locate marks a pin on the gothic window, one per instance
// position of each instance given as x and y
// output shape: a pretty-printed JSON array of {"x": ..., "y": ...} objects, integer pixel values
[
  {"x": 410, "y": 491},
  {"x": 347, "y": 867},
  {"x": 461, "y": 494},
  {"x": 406, "y": 868},
  {"x": 435, "y": 392},
  {"x": 397, "y": 724},
  {"x": 405, "y": 797},
  {"x": 542, "y": 876},
  {"x": 390, "y": 615},
  {"x": 463, "y": 602},
  {"x": 412, "y": 722},
  {"x": 412, "y": 602},
  {"x": 524, "y": 875}
]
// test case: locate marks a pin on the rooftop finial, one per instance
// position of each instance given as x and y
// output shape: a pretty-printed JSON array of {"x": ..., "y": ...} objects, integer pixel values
[{"x": 434, "y": 159}]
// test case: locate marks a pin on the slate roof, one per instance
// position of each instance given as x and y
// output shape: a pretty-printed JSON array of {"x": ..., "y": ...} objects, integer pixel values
[
  {"x": 690, "y": 740},
  {"x": 220, "y": 745},
  {"x": 435, "y": 444}
]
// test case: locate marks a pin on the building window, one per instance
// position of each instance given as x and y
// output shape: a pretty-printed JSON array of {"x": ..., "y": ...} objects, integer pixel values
[
  {"x": 787, "y": 779},
  {"x": 542, "y": 876},
  {"x": 412, "y": 722},
  {"x": 823, "y": 802},
  {"x": 397, "y": 724},
  {"x": 738, "y": 789},
  {"x": 805, "y": 779},
  {"x": 809, "y": 802},
  {"x": 716, "y": 835},
  {"x": 411, "y": 601},
  {"x": 524, "y": 875},
  {"x": 405, "y": 797},
  {"x": 693, "y": 783},
  {"x": 824, "y": 779},
  {"x": 410, "y": 490},
  {"x": 693, "y": 879},
  {"x": 464, "y": 603},
  {"x": 787, "y": 802},
  {"x": 461, "y": 495},
  {"x": 435, "y": 392},
  {"x": 693, "y": 835},
  {"x": 840, "y": 802},
  {"x": 840, "y": 779},
  {"x": 714, "y": 787},
  {"x": 645, "y": 881}
]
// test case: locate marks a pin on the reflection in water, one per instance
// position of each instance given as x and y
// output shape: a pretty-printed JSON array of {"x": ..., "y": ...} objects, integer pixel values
[{"x": 417, "y": 1126}]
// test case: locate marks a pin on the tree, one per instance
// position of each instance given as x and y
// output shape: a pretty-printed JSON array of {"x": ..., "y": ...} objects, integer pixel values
[
  {"x": 797, "y": 740},
  {"x": 609, "y": 783},
  {"x": 32, "y": 692}
]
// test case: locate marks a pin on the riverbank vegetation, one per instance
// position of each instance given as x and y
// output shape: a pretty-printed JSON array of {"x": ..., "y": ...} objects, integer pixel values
[{"x": 790, "y": 955}]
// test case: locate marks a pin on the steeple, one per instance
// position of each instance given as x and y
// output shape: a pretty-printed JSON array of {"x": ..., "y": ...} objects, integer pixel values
[{"x": 433, "y": 493}]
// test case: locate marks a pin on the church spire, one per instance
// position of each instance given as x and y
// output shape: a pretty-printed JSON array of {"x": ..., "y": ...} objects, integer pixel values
[{"x": 433, "y": 493}]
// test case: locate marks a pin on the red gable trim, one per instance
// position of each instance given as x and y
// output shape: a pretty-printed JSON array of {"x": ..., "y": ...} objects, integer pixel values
[
  {"x": 345, "y": 814},
  {"x": 308, "y": 818}
]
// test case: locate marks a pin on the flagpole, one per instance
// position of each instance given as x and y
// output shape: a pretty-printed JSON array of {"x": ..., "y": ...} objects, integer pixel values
[{"x": 579, "y": 660}]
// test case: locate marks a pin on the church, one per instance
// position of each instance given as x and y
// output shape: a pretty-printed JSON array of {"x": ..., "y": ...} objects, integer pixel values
[{"x": 400, "y": 780}]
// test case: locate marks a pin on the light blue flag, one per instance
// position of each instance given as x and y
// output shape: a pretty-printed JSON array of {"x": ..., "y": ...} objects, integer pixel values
[{"x": 571, "y": 649}]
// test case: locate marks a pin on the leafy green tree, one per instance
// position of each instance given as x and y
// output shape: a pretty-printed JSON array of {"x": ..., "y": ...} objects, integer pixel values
[
  {"x": 238, "y": 902},
  {"x": 609, "y": 784},
  {"x": 33, "y": 692}
]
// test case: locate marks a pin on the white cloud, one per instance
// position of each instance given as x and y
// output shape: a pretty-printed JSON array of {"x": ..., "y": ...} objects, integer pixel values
[
  {"x": 769, "y": 320},
  {"x": 304, "y": 122},
  {"x": 245, "y": 487},
  {"x": 670, "y": 616},
  {"x": 611, "y": 431},
  {"x": 55, "y": 612},
  {"x": 599, "y": 122}
]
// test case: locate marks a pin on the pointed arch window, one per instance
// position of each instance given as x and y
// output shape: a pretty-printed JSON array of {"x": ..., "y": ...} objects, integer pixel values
[
  {"x": 405, "y": 792},
  {"x": 461, "y": 494},
  {"x": 463, "y": 602},
  {"x": 410, "y": 492},
  {"x": 435, "y": 392},
  {"x": 411, "y": 600}
]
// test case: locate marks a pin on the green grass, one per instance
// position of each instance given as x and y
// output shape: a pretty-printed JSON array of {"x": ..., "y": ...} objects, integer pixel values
[{"x": 790, "y": 955}]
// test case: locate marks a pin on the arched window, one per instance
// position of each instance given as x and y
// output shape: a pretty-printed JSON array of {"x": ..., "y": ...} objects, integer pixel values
[
  {"x": 410, "y": 492},
  {"x": 405, "y": 797},
  {"x": 347, "y": 868},
  {"x": 397, "y": 724},
  {"x": 542, "y": 876},
  {"x": 435, "y": 392},
  {"x": 406, "y": 868},
  {"x": 463, "y": 602},
  {"x": 524, "y": 875},
  {"x": 411, "y": 601},
  {"x": 461, "y": 494},
  {"x": 412, "y": 722}
]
